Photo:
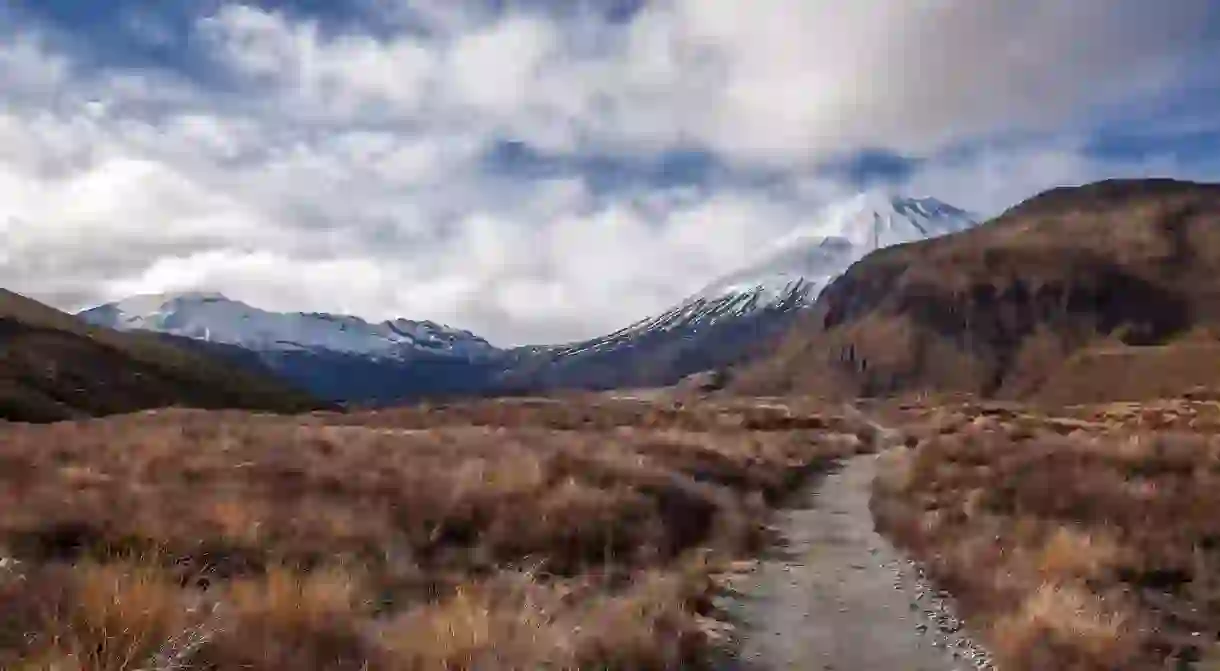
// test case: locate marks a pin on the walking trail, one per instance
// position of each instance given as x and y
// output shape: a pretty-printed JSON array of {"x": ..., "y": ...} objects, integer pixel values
[{"x": 839, "y": 596}]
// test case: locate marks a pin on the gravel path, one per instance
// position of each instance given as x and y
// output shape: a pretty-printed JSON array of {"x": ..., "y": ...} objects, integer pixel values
[{"x": 839, "y": 596}]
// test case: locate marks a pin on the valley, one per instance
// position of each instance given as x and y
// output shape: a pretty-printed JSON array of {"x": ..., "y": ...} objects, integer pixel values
[
  {"x": 609, "y": 335},
  {"x": 994, "y": 445},
  {"x": 594, "y": 532}
]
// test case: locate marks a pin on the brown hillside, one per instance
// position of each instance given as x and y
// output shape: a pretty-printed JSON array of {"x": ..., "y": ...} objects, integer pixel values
[
  {"x": 1105, "y": 291},
  {"x": 52, "y": 367}
]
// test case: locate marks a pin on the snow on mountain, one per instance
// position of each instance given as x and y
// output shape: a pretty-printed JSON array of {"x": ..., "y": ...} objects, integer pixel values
[
  {"x": 794, "y": 270},
  {"x": 809, "y": 258},
  {"x": 698, "y": 333},
  {"x": 213, "y": 317}
]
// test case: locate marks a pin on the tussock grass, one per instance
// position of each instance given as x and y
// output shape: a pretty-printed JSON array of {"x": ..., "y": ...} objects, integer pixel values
[
  {"x": 1088, "y": 541},
  {"x": 119, "y": 616},
  {"x": 1065, "y": 626},
  {"x": 514, "y": 535}
]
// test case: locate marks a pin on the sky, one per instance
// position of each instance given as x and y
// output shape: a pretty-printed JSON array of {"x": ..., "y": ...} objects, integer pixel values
[{"x": 541, "y": 171}]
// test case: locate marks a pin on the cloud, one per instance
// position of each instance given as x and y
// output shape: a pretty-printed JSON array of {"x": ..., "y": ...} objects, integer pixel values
[
  {"x": 299, "y": 162},
  {"x": 764, "y": 81},
  {"x": 991, "y": 177},
  {"x": 28, "y": 69},
  {"x": 816, "y": 77}
]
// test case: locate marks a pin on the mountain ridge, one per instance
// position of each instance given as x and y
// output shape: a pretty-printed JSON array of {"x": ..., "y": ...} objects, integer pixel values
[
  {"x": 735, "y": 316},
  {"x": 214, "y": 317},
  {"x": 1026, "y": 305},
  {"x": 730, "y": 318},
  {"x": 54, "y": 366}
]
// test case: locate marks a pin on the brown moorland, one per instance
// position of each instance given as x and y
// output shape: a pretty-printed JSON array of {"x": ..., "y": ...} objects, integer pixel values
[
  {"x": 1109, "y": 291},
  {"x": 1084, "y": 539},
  {"x": 507, "y": 534},
  {"x": 54, "y": 367}
]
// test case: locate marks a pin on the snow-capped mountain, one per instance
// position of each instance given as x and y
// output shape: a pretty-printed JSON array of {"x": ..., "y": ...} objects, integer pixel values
[
  {"x": 740, "y": 314},
  {"x": 336, "y": 357},
  {"x": 805, "y": 261},
  {"x": 348, "y": 358},
  {"x": 790, "y": 273},
  {"x": 212, "y": 317}
]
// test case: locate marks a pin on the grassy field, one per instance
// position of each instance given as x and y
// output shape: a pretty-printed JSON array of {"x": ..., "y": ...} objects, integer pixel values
[
  {"x": 497, "y": 535},
  {"x": 1084, "y": 538}
]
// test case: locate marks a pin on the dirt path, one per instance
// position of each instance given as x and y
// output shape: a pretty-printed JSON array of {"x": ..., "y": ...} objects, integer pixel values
[{"x": 838, "y": 596}]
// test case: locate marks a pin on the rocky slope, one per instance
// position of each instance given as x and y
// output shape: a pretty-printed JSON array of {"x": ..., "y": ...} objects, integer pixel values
[
  {"x": 1026, "y": 305},
  {"x": 54, "y": 366}
]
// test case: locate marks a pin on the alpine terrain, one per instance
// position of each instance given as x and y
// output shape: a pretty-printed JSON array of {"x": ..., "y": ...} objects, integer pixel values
[
  {"x": 609, "y": 335},
  {"x": 342, "y": 357},
  {"x": 742, "y": 312},
  {"x": 54, "y": 367},
  {"x": 1100, "y": 292},
  {"x": 337, "y": 357},
  {"x": 930, "y": 531}
]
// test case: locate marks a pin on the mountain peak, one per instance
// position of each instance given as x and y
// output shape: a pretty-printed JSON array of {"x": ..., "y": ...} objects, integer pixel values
[
  {"x": 879, "y": 201},
  {"x": 1104, "y": 244},
  {"x": 840, "y": 234},
  {"x": 787, "y": 275},
  {"x": 210, "y": 316},
  {"x": 148, "y": 303},
  {"x": 877, "y": 219},
  {"x": 887, "y": 200}
]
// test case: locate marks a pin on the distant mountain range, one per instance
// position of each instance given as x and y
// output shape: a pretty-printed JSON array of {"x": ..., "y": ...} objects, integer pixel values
[
  {"x": 215, "y": 318},
  {"x": 347, "y": 358},
  {"x": 54, "y": 367},
  {"x": 337, "y": 357},
  {"x": 1107, "y": 291}
]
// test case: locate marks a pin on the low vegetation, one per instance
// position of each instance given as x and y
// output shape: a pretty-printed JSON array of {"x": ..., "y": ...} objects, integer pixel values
[
  {"x": 1086, "y": 540},
  {"x": 514, "y": 535}
]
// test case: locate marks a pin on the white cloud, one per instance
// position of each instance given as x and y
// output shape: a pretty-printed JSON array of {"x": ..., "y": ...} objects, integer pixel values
[
  {"x": 28, "y": 68},
  {"x": 345, "y": 171},
  {"x": 492, "y": 69},
  {"x": 763, "y": 82},
  {"x": 798, "y": 80},
  {"x": 992, "y": 178},
  {"x": 344, "y": 75}
]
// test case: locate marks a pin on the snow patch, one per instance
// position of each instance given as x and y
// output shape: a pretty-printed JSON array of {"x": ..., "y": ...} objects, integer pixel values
[{"x": 213, "y": 317}]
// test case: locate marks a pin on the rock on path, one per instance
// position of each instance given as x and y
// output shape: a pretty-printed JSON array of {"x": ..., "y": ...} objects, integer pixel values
[{"x": 838, "y": 595}]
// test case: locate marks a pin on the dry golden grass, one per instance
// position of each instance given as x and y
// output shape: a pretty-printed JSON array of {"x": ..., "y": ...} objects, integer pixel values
[
  {"x": 119, "y": 616},
  {"x": 479, "y": 624},
  {"x": 515, "y": 535},
  {"x": 1087, "y": 541},
  {"x": 1064, "y": 626},
  {"x": 1070, "y": 554}
]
